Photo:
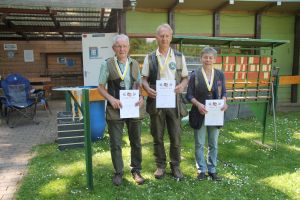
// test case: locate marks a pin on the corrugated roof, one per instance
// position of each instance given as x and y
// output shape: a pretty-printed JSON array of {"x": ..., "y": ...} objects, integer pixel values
[{"x": 21, "y": 21}]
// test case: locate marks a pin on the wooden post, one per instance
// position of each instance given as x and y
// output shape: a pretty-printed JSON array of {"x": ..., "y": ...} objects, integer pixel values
[{"x": 296, "y": 63}]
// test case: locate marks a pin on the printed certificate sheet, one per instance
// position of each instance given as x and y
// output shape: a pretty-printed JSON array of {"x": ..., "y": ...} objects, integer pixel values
[
  {"x": 128, "y": 99},
  {"x": 214, "y": 115},
  {"x": 165, "y": 97}
]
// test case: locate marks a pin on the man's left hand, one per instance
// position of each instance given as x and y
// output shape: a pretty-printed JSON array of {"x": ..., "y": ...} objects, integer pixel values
[
  {"x": 179, "y": 88},
  {"x": 140, "y": 102}
]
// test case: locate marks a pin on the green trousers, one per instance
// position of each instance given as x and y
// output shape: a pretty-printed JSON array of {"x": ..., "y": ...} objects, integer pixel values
[
  {"x": 115, "y": 130},
  {"x": 166, "y": 117}
]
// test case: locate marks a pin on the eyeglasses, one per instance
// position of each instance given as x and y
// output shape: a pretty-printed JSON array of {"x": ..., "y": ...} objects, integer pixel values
[{"x": 121, "y": 46}]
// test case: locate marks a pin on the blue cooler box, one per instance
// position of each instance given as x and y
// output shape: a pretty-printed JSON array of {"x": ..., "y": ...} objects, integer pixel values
[{"x": 97, "y": 118}]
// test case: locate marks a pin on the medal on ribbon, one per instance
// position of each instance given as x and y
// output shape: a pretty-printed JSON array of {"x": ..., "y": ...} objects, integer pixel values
[
  {"x": 209, "y": 95},
  {"x": 209, "y": 84},
  {"x": 121, "y": 75},
  {"x": 163, "y": 66},
  {"x": 122, "y": 84}
]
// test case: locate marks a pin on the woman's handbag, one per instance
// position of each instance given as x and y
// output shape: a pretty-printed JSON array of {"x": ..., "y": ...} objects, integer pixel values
[{"x": 195, "y": 118}]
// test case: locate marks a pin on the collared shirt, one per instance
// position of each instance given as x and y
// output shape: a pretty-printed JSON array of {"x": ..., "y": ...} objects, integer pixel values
[
  {"x": 169, "y": 71},
  {"x": 104, "y": 73}
]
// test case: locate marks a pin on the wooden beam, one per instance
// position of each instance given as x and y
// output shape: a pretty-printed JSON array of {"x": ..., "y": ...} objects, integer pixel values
[
  {"x": 52, "y": 15},
  {"x": 112, "y": 22},
  {"x": 63, "y": 35},
  {"x": 102, "y": 18},
  {"x": 216, "y": 18},
  {"x": 24, "y": 11},
  {"x": 171, "y": 20},
  {"x": 117, "y": 4},
  {"x": 266, "y": 8},
  {"x": 221, "y": 6},
  {"x": 50, "y": 20},
  {"x": 296, "y": 59},
  {"x": 7, "y": 22},
  {"x": 51, "y": 29},
  {"x": 121, "y": 21},
  {"x": 23, "y": 35},
  {"x": 289, "y": 80},
  {"x": 3, "y": 17},
  {"x": 258, "y": 17},
  {"x": 171, "y": 15},
  {"x": 216, "y": 24},
  {"x": 40, "y": 38},
  {"x": 257, "y": 25}
]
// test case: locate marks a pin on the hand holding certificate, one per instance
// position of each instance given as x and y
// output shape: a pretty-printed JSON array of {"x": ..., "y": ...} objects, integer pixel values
[
  {"x": 166, "y": 97},
  {"x": 214, "y": 115},
  {"x": 129, "y": 109}
]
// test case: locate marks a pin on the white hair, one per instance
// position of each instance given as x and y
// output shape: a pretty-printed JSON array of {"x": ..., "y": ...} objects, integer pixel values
[
  {"x": 120, "y": 37},
  {"x": 167, "y": 26}
]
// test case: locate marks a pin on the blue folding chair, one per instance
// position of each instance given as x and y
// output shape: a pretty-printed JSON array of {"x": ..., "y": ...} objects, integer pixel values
[{"x": 17, "y": 99}]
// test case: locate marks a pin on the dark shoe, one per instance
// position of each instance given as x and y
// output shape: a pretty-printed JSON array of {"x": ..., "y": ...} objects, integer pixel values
[
  {"x": 159, "y": 173},
  {"x": 176, "y": 173},
  {"x": 138, "y": 178},
  {"x": 201, "y": 176},
  {"x": 117, "y": 179},
  {"x": 214, "y": 177}
]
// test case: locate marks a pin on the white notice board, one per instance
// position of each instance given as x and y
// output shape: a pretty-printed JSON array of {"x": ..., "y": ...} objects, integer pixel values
[{"x": 96, "y": 48}]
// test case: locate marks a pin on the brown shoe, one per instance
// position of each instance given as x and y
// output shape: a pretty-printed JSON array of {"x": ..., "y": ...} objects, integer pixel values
[
  {"x": 138, "y": 178},
  {"x": 117, "y": 179},
  {"x": 159, "y": 173},
  {"x": 176, "y": 173}
]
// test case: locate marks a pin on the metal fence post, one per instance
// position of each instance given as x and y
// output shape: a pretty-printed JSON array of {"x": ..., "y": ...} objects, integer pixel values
[{"x": 87, "y": 139}]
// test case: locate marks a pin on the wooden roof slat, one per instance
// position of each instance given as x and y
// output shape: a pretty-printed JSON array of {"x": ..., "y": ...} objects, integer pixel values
[
  {"x": 222, "y": 6},
  {"x": 50, "y": 29},
  {"x": 23, "y": 11}
]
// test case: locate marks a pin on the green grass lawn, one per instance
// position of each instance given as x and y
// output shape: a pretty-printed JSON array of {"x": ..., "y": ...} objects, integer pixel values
[{"x": 249, "y": 170}]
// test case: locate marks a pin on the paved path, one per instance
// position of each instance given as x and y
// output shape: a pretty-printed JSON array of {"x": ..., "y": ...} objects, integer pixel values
[{"x": 16, "y": 143}]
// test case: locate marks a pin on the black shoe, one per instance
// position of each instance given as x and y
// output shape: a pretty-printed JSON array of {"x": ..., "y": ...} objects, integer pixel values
[
  {"x": 117, "y": 179},
  {"x": 201, "y": 176},
  {"x": 138, "y": 178},
  {"x": 214, "y": 177}
]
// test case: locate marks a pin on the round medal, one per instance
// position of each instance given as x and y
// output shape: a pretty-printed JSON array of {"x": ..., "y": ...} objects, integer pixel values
[{"x": 122, "y": 84}]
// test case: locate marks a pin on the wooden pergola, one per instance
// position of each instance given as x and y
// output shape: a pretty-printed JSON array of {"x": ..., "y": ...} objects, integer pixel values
[{"x": 57, "y": 20}]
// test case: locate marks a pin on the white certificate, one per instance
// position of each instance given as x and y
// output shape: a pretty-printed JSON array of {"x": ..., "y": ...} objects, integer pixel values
[
  {"x": 214, "y": 115},
  {"x": 165, "y": 94},
  {"x": 128, "y": 99}
]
